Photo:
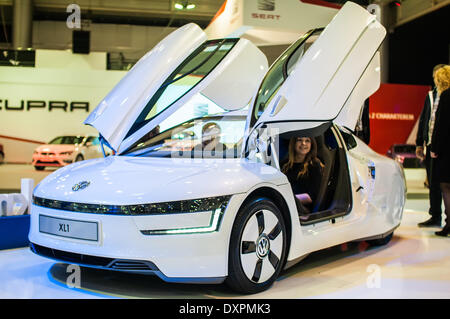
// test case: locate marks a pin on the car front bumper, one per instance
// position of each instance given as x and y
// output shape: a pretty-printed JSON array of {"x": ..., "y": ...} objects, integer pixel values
[
  {"x": 122, "y": 245},
  {"x": 56, "y": 160}
]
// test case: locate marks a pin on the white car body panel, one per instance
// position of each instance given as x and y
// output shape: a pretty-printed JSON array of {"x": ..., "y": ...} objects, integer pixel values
[
  {"x": 244, "y": 59},
  {"x": 172, "y": 177},
  {"x": 321, "y": 82},
  {"x": 366, "y": 86},
  {"x": 116, "y": 114},
  {"x": 124, "y": 180},
  {"x": 213, "y": 247}
]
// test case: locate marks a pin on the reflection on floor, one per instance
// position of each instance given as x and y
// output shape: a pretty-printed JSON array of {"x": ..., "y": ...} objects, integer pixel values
[{"x": 413, "y": 265}]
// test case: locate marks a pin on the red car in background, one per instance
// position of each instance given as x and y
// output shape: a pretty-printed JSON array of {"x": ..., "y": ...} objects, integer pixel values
[
  {"x": 405, "y": 154},
  {"x": 64, "y": 150}
]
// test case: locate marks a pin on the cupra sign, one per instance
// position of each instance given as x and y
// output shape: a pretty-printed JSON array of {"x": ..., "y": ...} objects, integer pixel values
[{"x": 27, "y": 105}]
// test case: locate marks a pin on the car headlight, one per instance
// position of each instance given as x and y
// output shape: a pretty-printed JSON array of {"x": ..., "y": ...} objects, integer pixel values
[{"x": 215, "y": 206}]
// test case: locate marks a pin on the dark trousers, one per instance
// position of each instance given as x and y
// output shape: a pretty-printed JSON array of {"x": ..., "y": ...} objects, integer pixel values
[{"x": 435, "y": 194}]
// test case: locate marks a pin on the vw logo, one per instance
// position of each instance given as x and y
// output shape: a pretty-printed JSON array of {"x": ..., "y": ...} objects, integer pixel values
[
  {"x": 263, "y": 246},
  {"x": 80, "y": 185}
]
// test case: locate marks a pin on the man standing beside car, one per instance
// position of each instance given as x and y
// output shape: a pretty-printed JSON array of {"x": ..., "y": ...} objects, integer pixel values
[{"x": 423, "y": 140}]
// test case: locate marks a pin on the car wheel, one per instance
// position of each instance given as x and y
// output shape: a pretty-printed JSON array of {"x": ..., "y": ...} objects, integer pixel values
[
  {"x": 257, "y": 248},
  {"x": 2, "y": 158},
  {"x": 39, "y": 168},
  {"x": 381, "y": 241},
  {"x": 79, "y": 158}
]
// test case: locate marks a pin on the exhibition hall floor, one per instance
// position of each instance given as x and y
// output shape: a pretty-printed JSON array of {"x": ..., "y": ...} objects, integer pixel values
[{"x": 413, "y": 265}]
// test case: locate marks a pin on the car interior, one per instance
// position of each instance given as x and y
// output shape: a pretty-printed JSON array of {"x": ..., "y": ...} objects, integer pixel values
[{"x": 334, "y": 198}]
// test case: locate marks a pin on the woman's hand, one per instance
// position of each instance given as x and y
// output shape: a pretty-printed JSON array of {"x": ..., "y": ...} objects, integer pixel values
[
  {"x": 419, "y": 152},
  {"x": 304, "y": 198},
  {"x": 433, "y": 155}
]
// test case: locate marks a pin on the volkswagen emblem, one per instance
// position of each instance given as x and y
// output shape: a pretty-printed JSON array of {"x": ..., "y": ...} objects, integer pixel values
[
  {"x": 80, "y": 185},
  {"x": 262, "y": 246}
]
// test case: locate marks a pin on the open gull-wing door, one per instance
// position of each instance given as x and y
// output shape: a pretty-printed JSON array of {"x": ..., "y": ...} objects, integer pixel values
[
  {"x": 225, "y": 71},
  {"x": 316, "y": 83}
]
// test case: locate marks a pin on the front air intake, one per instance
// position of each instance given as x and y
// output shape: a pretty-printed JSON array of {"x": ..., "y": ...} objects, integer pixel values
[
  {"x": 135, "y": 266},
  {"x": 132, "y": 265}
]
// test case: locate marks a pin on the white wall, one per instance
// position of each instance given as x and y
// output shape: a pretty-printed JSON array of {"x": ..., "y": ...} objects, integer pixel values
[
  {"x": 283, "y": 25},
  {"x": 58, "y": 76}
]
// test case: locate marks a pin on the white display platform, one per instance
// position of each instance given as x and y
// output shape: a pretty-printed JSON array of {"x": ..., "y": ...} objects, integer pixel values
[{"x": 413, "y": 265}]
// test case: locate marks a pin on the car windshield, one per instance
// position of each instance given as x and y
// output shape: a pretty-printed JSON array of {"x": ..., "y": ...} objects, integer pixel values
[
  {"x": 67, "y": 140},
  {"x": 204, "y": 137}
]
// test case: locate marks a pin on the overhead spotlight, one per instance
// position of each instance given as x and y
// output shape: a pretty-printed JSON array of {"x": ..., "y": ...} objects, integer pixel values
[{"x": 184, "y": 5}]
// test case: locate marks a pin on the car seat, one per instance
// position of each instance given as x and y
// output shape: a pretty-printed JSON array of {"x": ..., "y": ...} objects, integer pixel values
[{"x": 326, "y": 152}]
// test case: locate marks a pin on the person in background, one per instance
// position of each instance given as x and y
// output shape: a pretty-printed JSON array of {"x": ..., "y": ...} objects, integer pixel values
[
  {"x": 211, "y": 134},
  {"x": 440, "y": 151},
  {"x": 423, "y": 141},
  {"x": 304, "y": 171}
]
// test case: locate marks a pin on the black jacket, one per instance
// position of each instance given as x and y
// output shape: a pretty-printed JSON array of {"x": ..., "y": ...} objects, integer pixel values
[
  {"x": 441, "y": 131},
  {"x": 422, "y": 132},
  {"x": 308, "y": 183}
]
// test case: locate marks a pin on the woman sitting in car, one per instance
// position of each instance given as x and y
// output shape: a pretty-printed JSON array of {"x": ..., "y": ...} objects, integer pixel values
[{"x": 304, "y": 171}]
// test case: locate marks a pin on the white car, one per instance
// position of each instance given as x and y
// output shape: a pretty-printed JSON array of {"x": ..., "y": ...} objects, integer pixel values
[{"x": 165, "y": 205}]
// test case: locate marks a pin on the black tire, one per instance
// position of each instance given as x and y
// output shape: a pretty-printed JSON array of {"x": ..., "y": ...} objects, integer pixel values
[
  {"x": 2, "y": 158},
  {"x": 39, "y": 168},
  {"x": 256, "y": 261},
  {"x": 79, "y": 158},
  {"x": 381, "y": 241}
]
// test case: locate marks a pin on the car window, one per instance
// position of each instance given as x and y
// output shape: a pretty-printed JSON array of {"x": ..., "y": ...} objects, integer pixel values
[
  {"x": 280, "y": 70},
  {"x": 67, "y": 140},
  {"x": 191, "y": 72},
  {"x": 349, "y": 140}
]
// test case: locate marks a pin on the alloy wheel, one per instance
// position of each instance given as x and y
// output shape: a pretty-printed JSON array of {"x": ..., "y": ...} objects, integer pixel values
[{"x": 261, "y": 246}]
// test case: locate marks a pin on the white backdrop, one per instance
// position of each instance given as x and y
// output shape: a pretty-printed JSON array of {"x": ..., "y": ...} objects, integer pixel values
[{"x": 59, "y": 76}]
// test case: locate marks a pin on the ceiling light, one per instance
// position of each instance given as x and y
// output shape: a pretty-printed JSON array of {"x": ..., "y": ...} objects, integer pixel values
[{"x": 184, "y": 5}]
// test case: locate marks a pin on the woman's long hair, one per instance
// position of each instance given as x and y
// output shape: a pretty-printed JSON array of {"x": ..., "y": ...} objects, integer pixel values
[
  {"x": 310, "y": 159},
  {"x": 442, "y": 79}
]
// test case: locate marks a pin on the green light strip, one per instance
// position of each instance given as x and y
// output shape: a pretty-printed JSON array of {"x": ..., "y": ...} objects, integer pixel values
[{"x": 213, "y": 226}]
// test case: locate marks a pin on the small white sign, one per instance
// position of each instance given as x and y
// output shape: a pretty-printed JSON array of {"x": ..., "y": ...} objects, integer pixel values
[{"x": 68, "y": 228}]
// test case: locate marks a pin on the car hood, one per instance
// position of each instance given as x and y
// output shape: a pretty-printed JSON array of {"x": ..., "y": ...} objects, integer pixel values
[
  {"x": 56, "y": 148},
  {"x": 122, "y": 180}
]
